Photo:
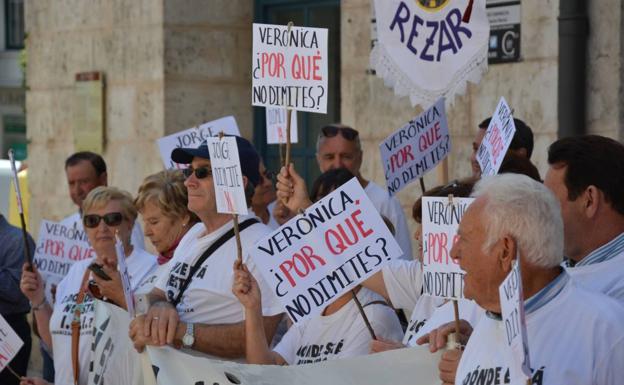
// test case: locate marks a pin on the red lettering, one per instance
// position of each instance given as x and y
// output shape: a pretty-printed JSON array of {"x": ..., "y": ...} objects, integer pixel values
[
  {"x": 428, "y": 138},
  {"x": 303, "y": 262},
  {"x": 306, "y": 67},
  {"x": 401, "y": 157},
  {"x": 359, "y": 223},
  {"x": 272, "y": 65},
  {"x": 341, "y": 239},
  {"x": 437, "y": 250}
]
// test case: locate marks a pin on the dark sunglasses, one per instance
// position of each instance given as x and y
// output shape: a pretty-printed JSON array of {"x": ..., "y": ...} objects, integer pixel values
[
  {"x": 270, "y": 175},
  {"x": 200, "y": 172},
  {"x": 93, "y": 220},
  {"x": 348, "y": 133}
]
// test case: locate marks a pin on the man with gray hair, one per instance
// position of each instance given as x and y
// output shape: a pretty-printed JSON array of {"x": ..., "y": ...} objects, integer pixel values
[{"x": 516, "y": 218}]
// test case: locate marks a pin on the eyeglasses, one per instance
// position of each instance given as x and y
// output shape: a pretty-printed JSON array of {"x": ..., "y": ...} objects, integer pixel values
[
  {"x": 200, "y": 172},
  {"x": 270, "y": 175},
  {"x": 347, "y": 132},
  {"x": 93, "y": 220}
]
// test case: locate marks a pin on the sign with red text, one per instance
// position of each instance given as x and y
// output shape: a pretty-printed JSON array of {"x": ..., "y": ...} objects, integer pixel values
[
  {"x": 427, "y": 49},
  {"x": 317, "y": 256},
  {"x": 412, "y": 150},
  {"x": 276, "y": 125},
  {"x": 58, "y": 247},
  {"x": 10, "y": 343},
  {"x": 193, "y": 137},
  {"x": 289, "y": 67},
  {"x": 442, "y": 276},
  {"x": 512, "y": 312},
  {"x": 227, "y": 175},
  {"x": 497, "y": 139}
]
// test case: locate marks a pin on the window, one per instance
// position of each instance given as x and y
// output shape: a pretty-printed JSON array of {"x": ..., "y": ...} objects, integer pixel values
[
  {"x": 14, "y": 135},
  {"x": 308, "y": 13},
  {"x": 14, "y": 22}
]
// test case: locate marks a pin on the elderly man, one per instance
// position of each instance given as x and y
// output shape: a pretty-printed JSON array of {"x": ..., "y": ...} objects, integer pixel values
[
  {"x": 586, "y": 175},
  {"x": 192, "y": 302},
  {"x": 515, "y": 218}
]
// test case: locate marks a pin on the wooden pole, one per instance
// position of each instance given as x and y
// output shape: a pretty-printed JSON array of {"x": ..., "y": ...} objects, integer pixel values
[
  {"x": 14, "y": 372},
  {"x": 422, "y": 185},
  {"x": 288, "y": 117},
  {"x": 361, "y": 309},
  {"x": 18, "y": 196},
  {"x": 239, "y": 249}
]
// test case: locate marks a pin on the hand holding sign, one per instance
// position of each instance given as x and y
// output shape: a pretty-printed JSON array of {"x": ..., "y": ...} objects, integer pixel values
[
  {"x": 246, "y": 289},
  {"x": 291, "y": 189},
  {"x": 32, "y": 285}
]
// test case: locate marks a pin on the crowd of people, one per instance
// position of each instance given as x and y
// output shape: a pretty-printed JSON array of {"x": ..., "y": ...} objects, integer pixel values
[{"x": 566, "y": 233}]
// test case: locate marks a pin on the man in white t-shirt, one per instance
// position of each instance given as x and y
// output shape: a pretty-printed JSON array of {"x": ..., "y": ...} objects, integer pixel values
[
  {"x": 514, "y": 217},
  {"x": 586, "y": 175},
  {"x": 192, "y": 304},
  {"x": 338, "y": 146}
]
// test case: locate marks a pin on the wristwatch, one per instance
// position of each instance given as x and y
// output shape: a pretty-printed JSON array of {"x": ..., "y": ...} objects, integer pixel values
[{"x": 189, "y": 337}]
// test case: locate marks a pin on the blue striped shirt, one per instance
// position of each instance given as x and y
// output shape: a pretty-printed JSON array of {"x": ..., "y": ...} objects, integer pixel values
[{"x": 604, "y": 252}]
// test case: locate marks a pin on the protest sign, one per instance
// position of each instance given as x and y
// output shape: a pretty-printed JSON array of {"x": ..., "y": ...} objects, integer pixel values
[
  {"x": 188, "y": 368},
  {"x": 276, "y": 125},
  {"x": 497, "y": 139},
  {"x": 512, "y": 312},
  {"x": 193, "y": 137},
  {"x": 125, "y": 277},
  {"x": 113, "y": 357},
  {"x": 316, "y": 256},
  {"x": 442, "y": 276},
  {"x": 289, "y": 67},
  {"x": 227, "y": 175},
  {"x": 10, "y": 343},
  {"x": 411, "y": 151},
  {"x": 58, "y": 247}
]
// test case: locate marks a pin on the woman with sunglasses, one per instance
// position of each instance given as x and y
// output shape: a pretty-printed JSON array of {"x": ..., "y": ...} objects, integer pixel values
[{"x": 107, "y": 211}]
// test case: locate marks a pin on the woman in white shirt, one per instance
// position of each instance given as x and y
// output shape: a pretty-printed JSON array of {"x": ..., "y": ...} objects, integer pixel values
[{"x": 67, "y": 325}]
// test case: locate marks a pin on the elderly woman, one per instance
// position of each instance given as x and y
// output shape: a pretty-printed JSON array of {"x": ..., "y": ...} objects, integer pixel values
[
  {"x": 106, "y": 211},
  {"x": 162, "y": 202}
]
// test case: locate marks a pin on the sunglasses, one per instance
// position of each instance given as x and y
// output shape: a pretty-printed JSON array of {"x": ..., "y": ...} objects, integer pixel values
[
  {"x": 93, "y": 220},
  {"x": 270, "y": 175},
  {"x": 200, "y": 172},
  {"x": 348, "y": 133}
]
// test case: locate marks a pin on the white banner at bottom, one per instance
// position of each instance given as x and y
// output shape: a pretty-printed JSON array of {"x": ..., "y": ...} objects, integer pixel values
[{"x": 410, "y": 366}]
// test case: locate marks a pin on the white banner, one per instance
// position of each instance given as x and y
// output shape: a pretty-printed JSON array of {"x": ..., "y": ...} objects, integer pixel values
[
  {"x": 276, "y": 125},
  {"x": 289, "y": 67},
  {"x": 315, "y": 257},
  {"x": 409, "y": 366},
  {"x": 10, "y": 343},
  {"x": 497, "y": 139},
  {"x": 442, "y": 276},
  {"x": 408, "y": 153},
  {"x": 193, "y": 137},
  {"x": 227, "y": 175}
]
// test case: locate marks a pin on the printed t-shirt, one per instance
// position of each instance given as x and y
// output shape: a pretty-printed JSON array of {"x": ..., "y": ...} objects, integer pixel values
[
  {"x": 208, "y": 298},
  {"x": 390, "y": 208},
  {"x": 139, "y": 264},
  {"x": 341, "y": 334},
  {"x": 575, "y": 337}
]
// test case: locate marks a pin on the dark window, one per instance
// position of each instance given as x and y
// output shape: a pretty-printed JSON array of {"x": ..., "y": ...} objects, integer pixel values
[
  {"x": 14, "y": 21},
  {"x": 14, "y": 136},
  {"x": 306, "y": 13}
]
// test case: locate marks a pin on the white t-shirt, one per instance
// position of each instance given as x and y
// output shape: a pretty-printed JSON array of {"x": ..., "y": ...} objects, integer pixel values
[
  {"x": 139, "y": 264},
  {"x": 136, "y": 238},
  {"x": 208, "y": 299},
  {"x": 576, "y": 338},
  {"x": 339, "y": 335},
  {"x": 390, "y": 208}
]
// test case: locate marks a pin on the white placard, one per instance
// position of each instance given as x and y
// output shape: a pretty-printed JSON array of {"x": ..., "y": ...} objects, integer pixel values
[
  {"x": 442, "y": 276},
  {"x": 315, "y": 257},
  {"x": 289, "y": 67},
  {"x": 193, "y": 137},
  {"x": 512, "y": 311},
  {"x": 276, "y": 125},
  {"x": 227, "y": 175},
  {"x": 10, "y": 343},
  {"x": 497, "y": 139},
  {"x": 408, "y": 153},
  {"x": 58, "y": 248},
  {"x": 125, "y": 277}
]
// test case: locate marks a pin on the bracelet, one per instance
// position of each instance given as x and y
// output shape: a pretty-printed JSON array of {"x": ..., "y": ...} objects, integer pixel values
[{"x": 38, "y": 307}]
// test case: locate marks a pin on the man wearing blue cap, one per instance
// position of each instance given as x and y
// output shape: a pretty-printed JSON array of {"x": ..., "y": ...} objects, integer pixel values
[{"x": 192, "y": 304}]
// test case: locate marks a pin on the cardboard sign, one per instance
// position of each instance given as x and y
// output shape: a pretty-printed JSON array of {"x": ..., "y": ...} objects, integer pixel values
[
  {"x": 227, "y": 175},
  {"x": 411, "y": 151},
  {"x": 276, "y": 125},
  {"x": 193, "y": 137},
  {"x": 58, "y": 247},
  {"x": 10, "y": 343},
  {"x": 442, "y": 276},
  {"x": 315, "y": 257},
  {"x": 497, "y": 139},
  {"x": 125, "y": 277},
  {"x": 289, "y": 67},
  {"x": 512, "y": 311}
]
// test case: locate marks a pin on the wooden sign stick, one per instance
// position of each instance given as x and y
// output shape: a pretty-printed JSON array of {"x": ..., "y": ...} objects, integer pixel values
[
  {"x": 18, "y": 195},
  {"x": 288, "y": 117},
  {"x": 13, "y": 372},
  {"x": 361, "y": 309}
]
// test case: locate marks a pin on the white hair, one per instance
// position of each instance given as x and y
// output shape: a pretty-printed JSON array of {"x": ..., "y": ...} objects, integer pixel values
[{"x": 526, "y": 210}]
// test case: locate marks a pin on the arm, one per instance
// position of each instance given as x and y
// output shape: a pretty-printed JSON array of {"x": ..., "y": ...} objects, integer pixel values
[
  {"x": 291, "y": 190},
  {"x": 112, "y": 289},
  {"x": 438, "y": 338},
  {"x": 31, "y": 285},
  {"x": 376, "y": 283}
]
